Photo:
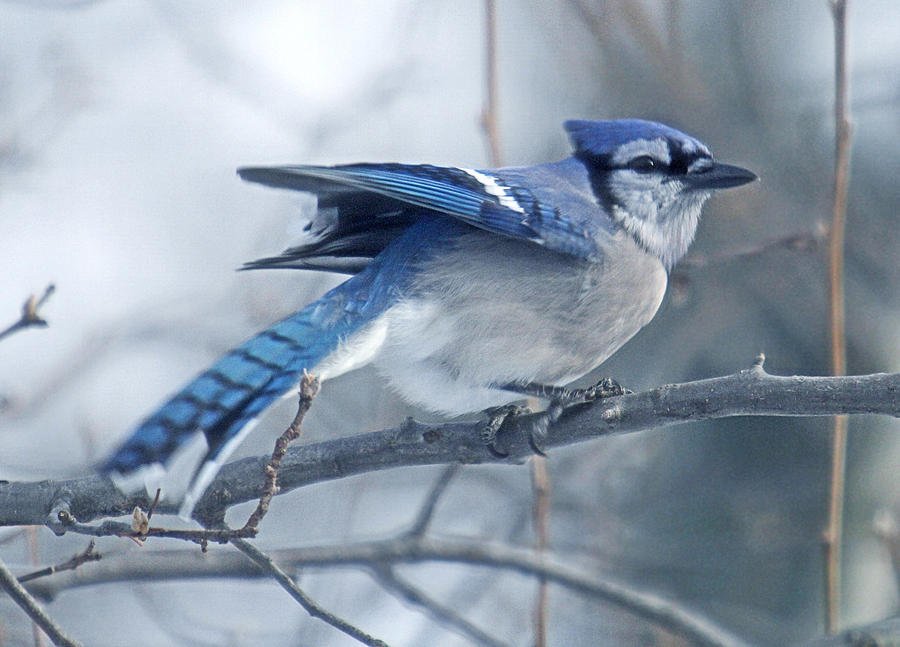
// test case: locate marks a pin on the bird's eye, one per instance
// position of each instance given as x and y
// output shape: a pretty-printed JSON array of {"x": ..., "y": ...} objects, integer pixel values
[{"x": 642, "y": 164}]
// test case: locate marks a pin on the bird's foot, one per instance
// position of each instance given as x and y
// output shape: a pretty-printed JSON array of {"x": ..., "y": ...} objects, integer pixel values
[
  {"x": 605, "y": 388},
  {"x": 497, "y": 417},
  {"x": 559, "y": 398},
  {"x": 537, "y": 434}
]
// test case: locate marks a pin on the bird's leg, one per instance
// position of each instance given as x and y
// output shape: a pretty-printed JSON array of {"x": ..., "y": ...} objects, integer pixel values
[
  {"x": 496, "y": 417},
  {"x": 559, "y": 397},
  {"x": 605, "y": 388}
]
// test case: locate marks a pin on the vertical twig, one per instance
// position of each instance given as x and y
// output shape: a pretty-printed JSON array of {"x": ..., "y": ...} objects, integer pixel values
[
  {"x": 423, "y": 519},
  {"x": 539, "y": 476},
  {"x": 309, "y": 388},
  {"x": 489, "y": 119},
  {"x": 37, "y": 634},
  {"x": 833, "y": 533},
  {"x": 540, "y": 484}
]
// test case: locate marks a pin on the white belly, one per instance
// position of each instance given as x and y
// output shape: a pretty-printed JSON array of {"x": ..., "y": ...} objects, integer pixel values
[{"x": 499, "y": 312}]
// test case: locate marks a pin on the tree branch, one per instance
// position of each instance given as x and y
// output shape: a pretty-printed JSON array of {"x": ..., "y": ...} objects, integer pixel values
[
  {"x": 149, "y": 565},
  {"x": 60, "y": 505},
  {"x": 87, "y": 555},
  {"x": 442, "y": 614},
  {"x": 29, "y": 605},
  {"x": 833, "y": 535},
  {"x": 269, "y": 567}
]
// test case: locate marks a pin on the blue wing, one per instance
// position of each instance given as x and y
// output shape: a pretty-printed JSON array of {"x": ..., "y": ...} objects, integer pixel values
[{"x": 511, "y": 202}]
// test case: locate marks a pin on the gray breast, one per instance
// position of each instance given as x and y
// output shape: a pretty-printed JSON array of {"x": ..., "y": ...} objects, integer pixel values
[{"x": 506, "y": 310}]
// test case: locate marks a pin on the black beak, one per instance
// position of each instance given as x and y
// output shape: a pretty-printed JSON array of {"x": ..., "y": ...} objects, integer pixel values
[{"x": 719, "y": 176}]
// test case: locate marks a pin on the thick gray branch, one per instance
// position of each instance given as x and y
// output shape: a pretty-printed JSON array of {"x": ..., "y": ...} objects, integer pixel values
[{"x": 752, "y": 392}]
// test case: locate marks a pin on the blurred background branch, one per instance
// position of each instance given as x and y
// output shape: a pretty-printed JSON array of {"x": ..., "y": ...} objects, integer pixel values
[{"x": 833, "y": 536}]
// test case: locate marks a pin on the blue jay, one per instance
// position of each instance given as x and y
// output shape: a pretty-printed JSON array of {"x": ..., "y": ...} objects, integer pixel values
[{"x": 468, "y": 287}]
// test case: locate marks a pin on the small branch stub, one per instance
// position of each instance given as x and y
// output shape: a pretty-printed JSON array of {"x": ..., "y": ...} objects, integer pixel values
[{"x": 30, "y": 317}]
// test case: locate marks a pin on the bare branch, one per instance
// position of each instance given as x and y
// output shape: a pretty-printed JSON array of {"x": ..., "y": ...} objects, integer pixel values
[
  {"x": 489, "y": 114},
  {"x": 833, "y": 533},
  {"x": 437, "y": 491},
  {"x": 30, "y": 316},
  {"x": 269, "y": 566},
  {"x": 540, "y": 486},
  {"x": 29, "y": 605},
  {"x": 801, "y": 242},
  {"x": 87, "y": 555},
  {"x": 309, "y": 388},
  {"x": 438, "y": 612},
  {"x": 70, "y": 504},
  {"x": 166, "y": 565},
  {"x": 140, "y": 528}
]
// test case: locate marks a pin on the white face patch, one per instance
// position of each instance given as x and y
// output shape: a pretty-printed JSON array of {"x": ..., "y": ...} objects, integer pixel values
[
  {"x": 700, "y": 164},
  {"x": 657, "y": 148},
  {"x": 492, "y": 187}
]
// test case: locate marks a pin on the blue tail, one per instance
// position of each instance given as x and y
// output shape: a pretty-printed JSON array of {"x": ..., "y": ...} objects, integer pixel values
[{"x": 227, "y": 397}]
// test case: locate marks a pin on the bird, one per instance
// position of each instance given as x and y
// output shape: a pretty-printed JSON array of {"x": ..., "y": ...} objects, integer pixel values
[{"x": 468, "y": 288}]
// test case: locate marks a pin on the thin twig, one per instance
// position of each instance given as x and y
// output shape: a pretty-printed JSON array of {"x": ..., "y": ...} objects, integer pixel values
[
  {"x": 309, "y": 387},
  {"x": 405, "y": 549},
  {"x": 34, "y": 555},
  {"x": 885, "y": 527},
  {"x": 128, "y": 530},
  {"x": 540, "y": 487},
  {"x": 489, "y": 117},
  {"x": 802, "y": 241},
  {"x": 288, "y": 584},
  {"x": 153, "y": 505},
  {"x": 29, "y": 605},
  {"x": 87, "y": 555},
  {"x": 426, "y": 512},
  {"x": 140, "y": 528},
  {"x": 833, "y": 534},
  {"x": 440, "y": 613},
  {"x": 680, "y": 277},
  {"x": 490, "y": 123},
  {"x": 30, "y": 313}
]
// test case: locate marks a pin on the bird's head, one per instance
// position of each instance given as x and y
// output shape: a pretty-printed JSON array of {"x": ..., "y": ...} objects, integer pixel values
[{"x": 651, "y": 179}]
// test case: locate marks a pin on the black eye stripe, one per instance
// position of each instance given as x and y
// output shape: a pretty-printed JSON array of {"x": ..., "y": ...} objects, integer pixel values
[{"x": 645, "y": 164}]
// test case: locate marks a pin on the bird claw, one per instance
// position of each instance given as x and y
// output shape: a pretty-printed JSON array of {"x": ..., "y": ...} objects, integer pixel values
[
  {"x": 605, "y": 388},
  {"x": 538, "y": 434},
  {"x": 497, "y": 417},
  {"x": 535, "y": 435}
]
